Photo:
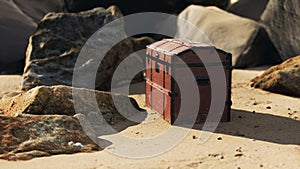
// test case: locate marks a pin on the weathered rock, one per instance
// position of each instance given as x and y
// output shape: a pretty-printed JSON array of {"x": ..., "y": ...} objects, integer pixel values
[
  {"x": 244, "y": 38},
  {"x": 59, "y": 100},
  {"x": 283, "y": 78},
  {"x": 27, "y": 137},
  {"x": 281, "y": 19},
  {"x": 54, "y": 48},
  {"x": 252, "y": 9}
]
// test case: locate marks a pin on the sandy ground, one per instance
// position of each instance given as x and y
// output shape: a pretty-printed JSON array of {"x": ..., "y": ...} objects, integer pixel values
[{"x": 264, "y": 133}]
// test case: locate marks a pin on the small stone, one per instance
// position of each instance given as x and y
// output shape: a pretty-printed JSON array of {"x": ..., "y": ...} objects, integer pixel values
[
  {"x": 256, "y": 126},
  {"x": 219, "y": 138},
  {"x": 268, "y": 107},
  {"x": 238, "y": 155},
  {"x": 137, "y": 133},
  {"x": 195, "y": 137},
  {"x": 255, "y": 103},
  {"x": 239, "y": 149},
  {"x": 253, "y": 112},
  {"x": 240, "y": 117},
  {"x": 261, "y": 165},
  {"x": 289, "y": 108}
]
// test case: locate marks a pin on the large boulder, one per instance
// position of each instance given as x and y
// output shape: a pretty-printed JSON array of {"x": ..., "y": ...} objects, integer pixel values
[
  {"x": 281, "y": 19},
  {"x": 283, "y": 78},
  {"x": 59, "y": 100},
  {"x": 246, "y": 39},
  {"x": 27, "y": 137},
  {"x": 54, "y": 48},
  {"x": 252, "y": 9},
  {"x": 18, "y": 21}
]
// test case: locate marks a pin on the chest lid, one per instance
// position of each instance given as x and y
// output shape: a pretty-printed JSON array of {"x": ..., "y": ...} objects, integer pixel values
[{"x": 175, "y": 46}]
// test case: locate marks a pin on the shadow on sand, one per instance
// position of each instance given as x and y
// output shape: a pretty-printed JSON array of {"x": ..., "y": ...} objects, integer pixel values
[{"x": 259, "y": 126}]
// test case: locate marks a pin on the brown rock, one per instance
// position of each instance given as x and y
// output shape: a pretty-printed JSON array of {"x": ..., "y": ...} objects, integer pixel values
[
  {"x": 26, "y": 137},
  {"x": 283, "y": 78},
  {"x": 58, "y": 100}
]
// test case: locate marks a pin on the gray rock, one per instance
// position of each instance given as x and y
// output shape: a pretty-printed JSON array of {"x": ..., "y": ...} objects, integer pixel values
[
  {"x": 252, "y": 9},
  {"x": 54, "y": 48},
  {"x": 244, "y": 38},
  {"x": 282, "y": 79},
  {"x": 281, "y": 19}
]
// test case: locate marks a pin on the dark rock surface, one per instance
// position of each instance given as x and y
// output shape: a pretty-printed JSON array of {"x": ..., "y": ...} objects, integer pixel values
[
  {"x": 252, "y": 9},
  {"x": 282, "y": 79},
  {"x": 281, "y": 19},
  {"x": 27, "y": 137},
  {"x": 55, "y": 46},
  {"x": 246, "y": 39}
]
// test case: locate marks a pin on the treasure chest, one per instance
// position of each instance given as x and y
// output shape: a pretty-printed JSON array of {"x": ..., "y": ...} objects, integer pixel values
[{"x": 164, "y": 64}]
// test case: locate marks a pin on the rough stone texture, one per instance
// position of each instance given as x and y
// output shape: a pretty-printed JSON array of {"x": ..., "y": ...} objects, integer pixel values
[
  {"x": 27, "y": 137},
  {"x": 281, "y": 19},
  {"x": 252, "y": 9},
  {"x": 283, "y": 78},
  {"x": 18, "y": 21},
  {"x": 56, "y": 44},
  {"x": 59, "y": 100},
  {"x": 244, "y": 38}
]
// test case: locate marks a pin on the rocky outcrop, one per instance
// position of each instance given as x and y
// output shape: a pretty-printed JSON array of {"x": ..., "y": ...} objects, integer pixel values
[
  {"x": 283, "y": 78},
  {"x": 59, "y": 100},
  {"x": 244, "y": 38},
  {"x": 27, "y": 136},
  {"x": 252, "y": 9},
  {"x": 281, "y": 19},
  {"x": 54, "y": 48}
]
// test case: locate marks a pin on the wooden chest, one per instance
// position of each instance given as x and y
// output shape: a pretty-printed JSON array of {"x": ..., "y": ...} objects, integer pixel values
[{"x": 162, "y": 66}]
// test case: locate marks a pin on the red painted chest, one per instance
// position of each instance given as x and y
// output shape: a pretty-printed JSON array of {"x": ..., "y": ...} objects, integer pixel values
[{"x": 162, "y": 68}]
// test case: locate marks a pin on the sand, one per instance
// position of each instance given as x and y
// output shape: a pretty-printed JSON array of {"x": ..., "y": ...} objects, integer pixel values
[{"x": 264, "y": 133}]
